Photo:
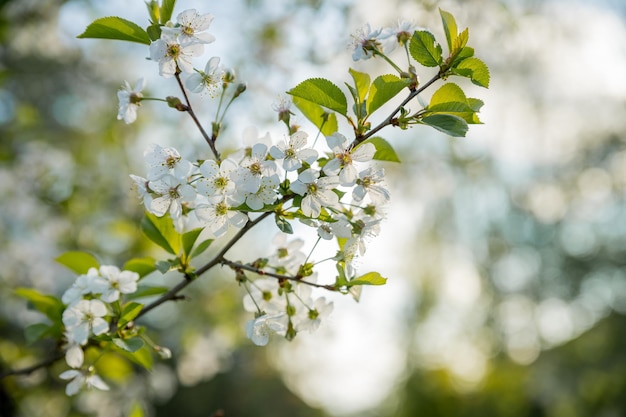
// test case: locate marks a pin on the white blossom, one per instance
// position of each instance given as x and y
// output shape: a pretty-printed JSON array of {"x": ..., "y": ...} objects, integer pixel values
[
  {"x": 90, "y": 283},
  {"x": 171, "y": 54},
  {"x": 207, "y": 81},
  {"x": 365, "y": 42},
  {"x": 190, "y": 26},
  {"x": 342, "y": 163},
  {"x": 259, "y": 329},
  {"x": 317, "y": 193},
  {"x": 163, "y": 161},
  {"x": 129, "y": 101},
  {"x": 83, "y": 318},
  {"x": 172, "y": 193},
  {"x": 293, "y": 153},
  {"x": 80, "y": 378},
  {"x": 118, "y": 282},
  {"x": 216, "y": 181},
  {"x": 218, "y": 216},
  {"x": 371, "y": 182}
]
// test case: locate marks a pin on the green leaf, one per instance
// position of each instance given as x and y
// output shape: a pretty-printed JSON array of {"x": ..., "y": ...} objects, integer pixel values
[
  {"x": 449, "y": 27},
  {"x": 371, "y": 278},
  {"x": 322, "y": 92},
  {"x": 114, "y": 27},
  {"x": 384, "y": 151},
  {"x": 166, "y": 266},
  {"x": 142, "y": 266},
  {"x": 154, "y": 31},
  {"x": 361, "y": 83},
  {"x": 189, "y": 239},
  {"x": 129, "y": 312},
  {"x": 475, "y": 103},
  {"x": 142, "y": 356},
  {"x": 425, "y": 49},
  {"x": 447, "y": 123},
  {"x": 284, "y": 225},
  {"x": 49, "y": 305},
  {"x": 450, "y": 99},
  {"x": 167, "y": 8},
  {"x": 459, "y": 43},
  {"x": 79, "y": 262},
  {"x": 36, "y": 332},
  {"x": 326, "y": 122},
  {"x": 383, "y": 89},
  {"x": 145, "y": 291},
  {"x": 129, "y": 345},
  {"x": 204, "y": 245},
  {"x": 161, "y": 231},
  {"x": 474, "y": 69}
]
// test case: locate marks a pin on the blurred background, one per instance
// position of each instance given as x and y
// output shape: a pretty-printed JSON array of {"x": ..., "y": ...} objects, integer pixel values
[{"x": 505, "y": 251}]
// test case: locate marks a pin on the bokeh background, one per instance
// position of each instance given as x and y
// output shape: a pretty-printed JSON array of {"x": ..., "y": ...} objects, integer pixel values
[{"x": 505, "y": 251}]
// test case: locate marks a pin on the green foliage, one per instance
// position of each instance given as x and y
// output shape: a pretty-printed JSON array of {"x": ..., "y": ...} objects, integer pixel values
[
  {"x": 371, "y": 278},
  {"x": 322, "y": 92},
  {"x": 189, "y": 239},
  {"x": 161, "y": 231},
  {"x": 129, "y": 312},
  {"x": 449, "y": 27},
  {"x": 142, "y": 266},
  {"x": 114, "y": 27},
  {"x": 384, "y": 150},
  {"x": 167, "y": 8},
  {"x": 79, "y": 262},
  {"x": 283, "y": 225},
  {"x": 37, "y": 331},
  {"x": 130, "y": 345},
  {"x": 475, "y": 70},
  {"x": 447, "y": 123},
  {"x": 425, "y": 49},
  {"x": 326, "y": 122},
  {"x": 450, "y": 99},
  {"x": 361, "y": 83},
  {"x": 49, "y": 305},
  {"x": 383, "y": 89}
]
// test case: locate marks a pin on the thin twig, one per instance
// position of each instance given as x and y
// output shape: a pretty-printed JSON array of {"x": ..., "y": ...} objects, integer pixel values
[
  {"x": 389, "y": 119},
  {"x": 29, "y": 369},
  {"x": 189, "y": 110},
  {"x": 240, "y": 266}
]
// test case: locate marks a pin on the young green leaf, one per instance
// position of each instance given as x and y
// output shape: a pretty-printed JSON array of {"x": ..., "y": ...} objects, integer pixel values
[
  {"x": 79, "y": 262},
  {"x": 36, "y": 332},
  {"x": 460, "y": 41},
  {"x": 284, "y": 225},
  {"x": 384, "y": 151},
  {"x": 383, "y": 89},
  {"x": 161, "y": 231},
  {"x": 447, "y": 123},
  {"x": 189, "y": 239},
  {"x": 371, "y": 278},
  {"x": 323, "y": 120},
  {"x": 450, "y": 99},
  {"x": 475, "y": 70},
  {"x": 204, "y": 245},
  {"x": 129, "y": 345},
  {"x": 361, "y": 83},
  {"x": 49, "y": 305},
  {"x": 114, "y": 27},
  {"x": 323, "y": 92},
  {"x": 167, "y": 8},
  {"x": 449, "y": 27},
  {"x": 425, "y": 49},
  {"x": 129, "y": 312},
  {"x": 142, "y": 266}
]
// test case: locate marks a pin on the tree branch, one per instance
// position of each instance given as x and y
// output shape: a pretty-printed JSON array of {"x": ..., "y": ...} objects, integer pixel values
[{"x": 29, "y": 369}]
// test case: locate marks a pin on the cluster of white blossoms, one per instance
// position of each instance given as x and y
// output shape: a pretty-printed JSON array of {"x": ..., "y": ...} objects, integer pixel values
[
  {"x": 333, "y": 189},
  {"x": 368, "y": 41},
  {"x": 88, "y": 302}
]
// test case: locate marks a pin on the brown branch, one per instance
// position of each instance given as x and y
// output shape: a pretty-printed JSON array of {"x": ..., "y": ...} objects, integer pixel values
[
  {"x": 239, "y": 266},
  {"x": 389, "y": 120},
  {"x": 189, "y": 110},
  {"x": 29, "y": 369}
]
